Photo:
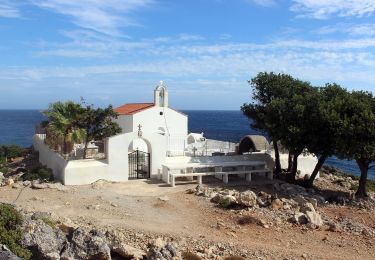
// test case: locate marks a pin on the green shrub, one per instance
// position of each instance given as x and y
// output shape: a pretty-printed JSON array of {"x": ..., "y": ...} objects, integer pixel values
[
  {"x": 4, "y": 169},
  {"x": 41, "y": 173},
  {"x": 49, "y": 222},
  {"x": 190, "y": 256},
  {"x": 2, "y": 160},
  {"x": 12, "y": 151},
  {"x": 10, "y": 231},
  {"x": 370, "y": 186},
  {"x": 226, "y": 203}
]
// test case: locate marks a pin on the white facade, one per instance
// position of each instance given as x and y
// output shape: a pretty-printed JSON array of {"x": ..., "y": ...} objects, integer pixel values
[
  {"x": 114, "y": 168},
  {"x": 157, "y": 130},
  {"x": 161, "y": 119}
]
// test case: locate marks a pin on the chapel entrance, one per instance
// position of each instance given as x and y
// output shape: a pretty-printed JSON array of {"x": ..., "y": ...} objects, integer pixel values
[{"x": 139, "y": 165}]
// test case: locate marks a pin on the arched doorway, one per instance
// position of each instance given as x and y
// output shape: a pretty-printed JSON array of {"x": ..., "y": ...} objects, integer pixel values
[{"x": 139, "y": 159}]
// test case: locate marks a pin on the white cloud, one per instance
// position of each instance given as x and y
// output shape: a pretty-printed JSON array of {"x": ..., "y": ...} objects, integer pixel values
[
  {"x": 366, "y": 30},
  {"x": 98, "y": 15},
  {"x": 323, "y": 9},
  {"x": 312, "y": 60},
  {"x": 8, "y": 9},
  {"x": 265, "y": 3}
]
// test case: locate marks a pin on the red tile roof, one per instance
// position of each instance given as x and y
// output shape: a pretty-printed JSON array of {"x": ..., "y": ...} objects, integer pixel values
[{"x": 130, "y": 109}]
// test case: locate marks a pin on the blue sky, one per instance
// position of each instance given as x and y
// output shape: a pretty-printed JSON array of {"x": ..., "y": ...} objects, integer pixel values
[{"x": 116, "y": 51}]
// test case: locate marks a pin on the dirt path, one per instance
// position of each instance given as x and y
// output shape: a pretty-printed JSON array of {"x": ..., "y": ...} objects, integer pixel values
[{"x": 137, "y": 205}]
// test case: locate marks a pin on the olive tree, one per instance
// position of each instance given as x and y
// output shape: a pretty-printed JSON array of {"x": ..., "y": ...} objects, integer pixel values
[
  {"x": 98, "y": 124},
  {"x": 357, "y": 132},
  {"x": 267, "y": 87},
  {"x": 289, "y": 117},
  {"x": 324, "y": 125}
]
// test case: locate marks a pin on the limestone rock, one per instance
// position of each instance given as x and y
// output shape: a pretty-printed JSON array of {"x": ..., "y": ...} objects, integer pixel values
[
  {"x": 159, "y": 249},
  {"x": 248, "y": 199},
  {"x": 117, "y": 241},
  {"x": 307, "y": 206},
  {"x": 99, "y": 184},
  {"x": 299, "y": 218},
  {"x": 164, "y": 198},
  {"x": 42, "y": 240},
  {"x": 277, "y": 204},
  {"x": 300, "y": 200},
  {"x": 9, "y": 182},
  {"x": 314, "y": 218},
  {"x": 37, "y": 185},
  {"x": 26, "y": 183},
  {"x": 313, "y": 201},
  {"x": 57, "y": 186},
  {"x": 127, "y": 251},
  {"x": 85, "y": 245},
  {"x": 6, "y": 254},
  {"x": 16, "y": 185}
]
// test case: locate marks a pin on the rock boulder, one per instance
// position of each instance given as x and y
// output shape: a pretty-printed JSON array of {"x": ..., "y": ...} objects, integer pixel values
[
  {"x": 42, "y": 240},
  {"x": 6, "y": 254},
  {"x": 85, "y": 245},
  {"x": 247, "y": 199}
]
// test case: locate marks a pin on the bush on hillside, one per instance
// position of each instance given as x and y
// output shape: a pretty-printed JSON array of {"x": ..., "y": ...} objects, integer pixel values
[
  {"x": 41, "y": 173},
  {"x": 12, "y": 151},
  {"x": 370, "y": 186},
  {"x": 10, "y": 231},
  {"x": 4, "y": 169}
]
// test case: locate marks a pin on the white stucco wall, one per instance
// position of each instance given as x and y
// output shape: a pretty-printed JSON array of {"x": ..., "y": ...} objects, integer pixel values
[
  {"x": 306, "y": 163},
  {"x": 172, "y": 121},
  {"x": 114, "y": 168},
  {"x": 233, "y": 158},
  {"x": 49, "y": 157}
]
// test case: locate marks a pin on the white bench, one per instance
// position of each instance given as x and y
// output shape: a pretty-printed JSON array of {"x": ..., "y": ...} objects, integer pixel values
[{"x": 225, "y": 175}]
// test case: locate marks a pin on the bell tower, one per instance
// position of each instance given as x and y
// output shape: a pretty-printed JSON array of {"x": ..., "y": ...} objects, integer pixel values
[{"x": 161, "y": 95}]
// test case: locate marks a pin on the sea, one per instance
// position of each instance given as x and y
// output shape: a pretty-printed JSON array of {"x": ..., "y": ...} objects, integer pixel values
[{"x": 18, "y": 127}]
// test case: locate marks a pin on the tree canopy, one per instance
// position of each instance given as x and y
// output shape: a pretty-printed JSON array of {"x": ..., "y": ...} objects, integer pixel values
[
  {"x": 325, "y": 121},
  {"x": 69, "y": 122}
]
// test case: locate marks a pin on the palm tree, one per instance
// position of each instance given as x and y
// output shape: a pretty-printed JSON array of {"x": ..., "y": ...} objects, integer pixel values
[{"x": 63, "y": 118}]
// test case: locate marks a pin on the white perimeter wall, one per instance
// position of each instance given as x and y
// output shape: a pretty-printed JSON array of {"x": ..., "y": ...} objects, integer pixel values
[
  {"x": 233, "y": 158},
  {"x": 114, "y": 168},
  {"x": 49, "y": 157}
]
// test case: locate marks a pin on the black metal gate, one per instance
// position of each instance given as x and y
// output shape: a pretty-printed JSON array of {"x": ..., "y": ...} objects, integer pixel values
[{"x": 139, "y": 165}]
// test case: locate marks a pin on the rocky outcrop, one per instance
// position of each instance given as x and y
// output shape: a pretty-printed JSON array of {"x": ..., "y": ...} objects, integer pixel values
[
  {"x": 118, "y": 243},
  {"x": 297, "y": 204},
  {"x": 247, "y": 199},
  {"x": 159, "y": 249},
  {"x": 44, "y": 241},
  {"x": 6, "y": 254},
  {"x": 83, "y": 245}
]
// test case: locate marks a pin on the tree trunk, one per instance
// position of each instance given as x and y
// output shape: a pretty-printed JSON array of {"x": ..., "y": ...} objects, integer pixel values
[
  {"x": 318, "y": 166},
  {"x": 277, "y": 158},
  {"x": 290, "y": 162},
  {"x": 64, "y": 143},
  {"x": 291, "y": 177},
  {"x": 363, "y": 166},
  {"x": 85, "y": 148}
]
